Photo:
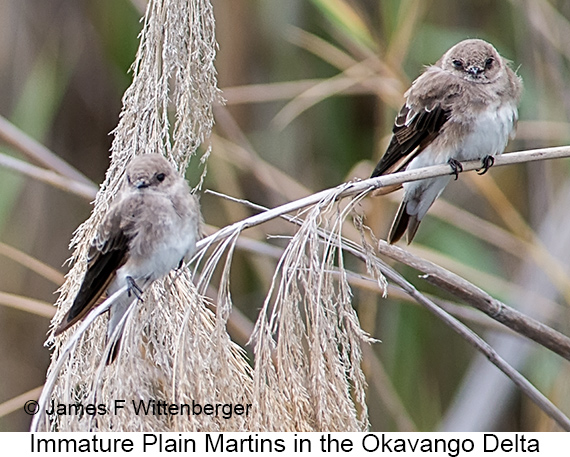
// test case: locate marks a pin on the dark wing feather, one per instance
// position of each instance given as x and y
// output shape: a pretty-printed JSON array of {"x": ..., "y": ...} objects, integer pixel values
[
  {"x": 412, "y": 132},
  {"x": 104, "y": 261}
]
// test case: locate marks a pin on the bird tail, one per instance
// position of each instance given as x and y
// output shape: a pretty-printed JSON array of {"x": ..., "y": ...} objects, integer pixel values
[
  {"x": 403, "y": 222},
  {"x": 115, "y": 347},
  {"x": 116, "y": 325}
]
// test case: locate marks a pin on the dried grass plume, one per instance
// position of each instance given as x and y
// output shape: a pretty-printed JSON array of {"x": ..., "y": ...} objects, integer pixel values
[{"x": 306, "y": 374}]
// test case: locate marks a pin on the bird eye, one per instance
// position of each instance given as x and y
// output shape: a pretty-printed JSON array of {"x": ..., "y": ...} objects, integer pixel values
[
  {"x": 160, "y": 177},
  {"x": 457, "y": 64},
  {"x": 489, "y": 62}
]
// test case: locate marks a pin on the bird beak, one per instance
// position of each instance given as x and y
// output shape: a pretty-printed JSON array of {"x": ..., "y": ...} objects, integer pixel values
[
  {"x": 141, "y": 183},
  {"x": 475, "y": 71}
]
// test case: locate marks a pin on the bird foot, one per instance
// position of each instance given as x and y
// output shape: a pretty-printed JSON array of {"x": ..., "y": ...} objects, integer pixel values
[
  {"x": 487, "y": 162},
  {"x": 456, "y": 167},
  {"x": 133, "y": 288}
]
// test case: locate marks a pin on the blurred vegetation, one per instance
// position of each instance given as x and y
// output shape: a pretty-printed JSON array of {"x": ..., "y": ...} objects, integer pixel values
[{"x": 312, "y": 88}]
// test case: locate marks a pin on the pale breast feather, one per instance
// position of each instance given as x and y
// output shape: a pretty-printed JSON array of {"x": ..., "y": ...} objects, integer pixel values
[{"x": 490, "y": 133}]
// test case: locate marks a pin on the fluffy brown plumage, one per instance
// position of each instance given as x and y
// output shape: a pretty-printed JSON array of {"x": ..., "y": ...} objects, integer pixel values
[
  {"x": 462, "y": 108},
  {"x": 151, "y": 227}
]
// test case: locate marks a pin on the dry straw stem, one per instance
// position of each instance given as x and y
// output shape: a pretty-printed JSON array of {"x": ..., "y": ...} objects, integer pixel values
[
  {"x": 71, "y": 185},
  {"x": 42, "y": 269},
  {"x": 59, "y": 173},
  {"x": 17, "y": 139},
  {"x": 355, "y": 75},
  {"x": 478, "y": 298},
  {"x": 37, "y": 307},
  {"x": 553, "y": 267},
  {"x": 518, "y": 246},
  {"x": 240, "y": 153},
  {"x": 472, "y": 338},
  {"x": 270, "y": 92},
  {"x": 371, "y": 72},
  {"x": 368, "y": 185},
  {"x": 18, "y": 402}
]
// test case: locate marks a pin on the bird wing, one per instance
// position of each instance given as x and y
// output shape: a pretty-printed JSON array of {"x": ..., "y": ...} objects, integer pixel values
[
  {"x": 108, "y": 252},
  {"x": 414, "y": 129}
]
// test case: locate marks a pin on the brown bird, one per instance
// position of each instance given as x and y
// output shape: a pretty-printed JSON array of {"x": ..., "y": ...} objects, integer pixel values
[
  {"x": 462, "y": 108},
  {"x": 151, "y": 227}
]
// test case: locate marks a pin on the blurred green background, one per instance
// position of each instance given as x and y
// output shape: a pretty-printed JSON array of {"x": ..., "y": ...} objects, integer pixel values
[{"x": 312, "y": 88}]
